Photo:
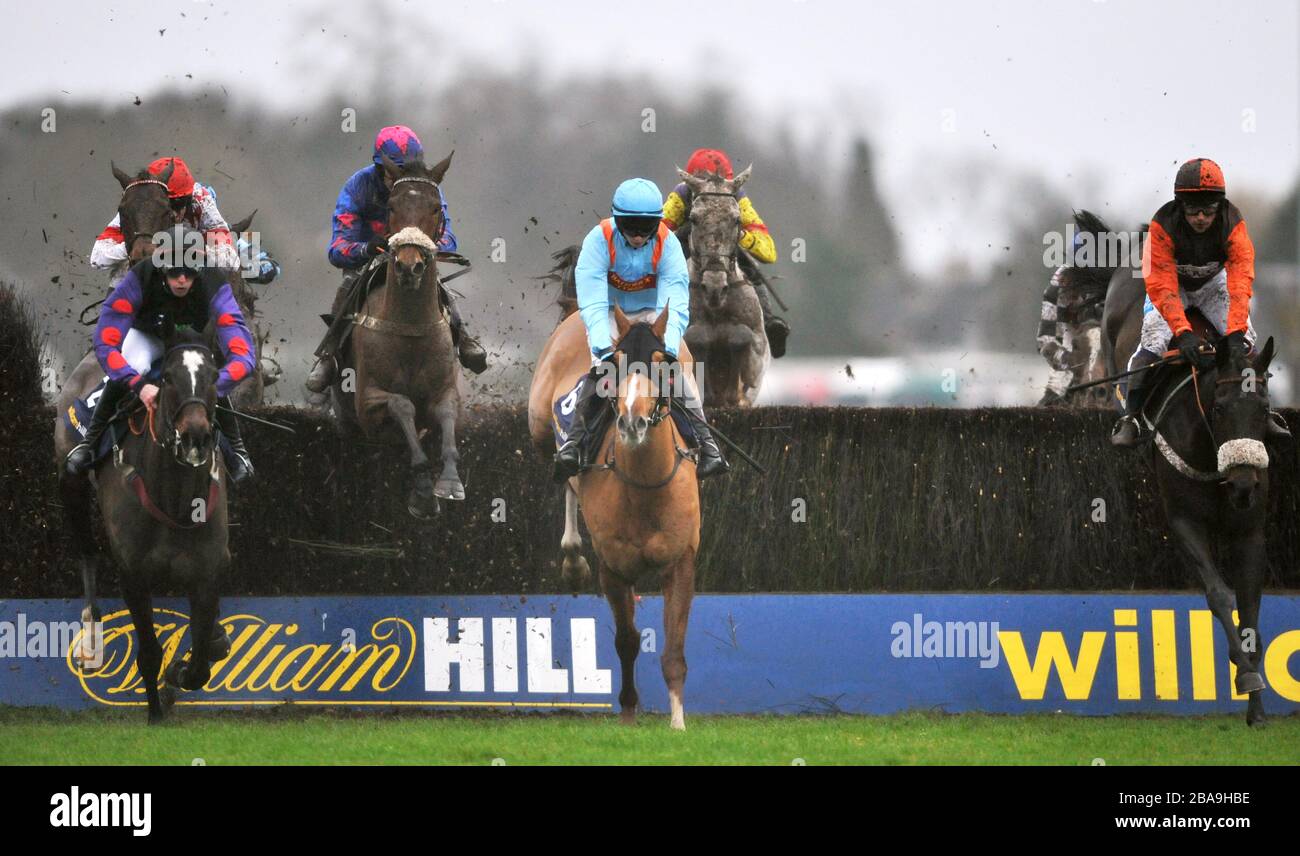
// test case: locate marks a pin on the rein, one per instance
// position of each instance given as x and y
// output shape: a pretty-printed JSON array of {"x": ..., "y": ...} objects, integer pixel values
[{"x": 1170, "y": 455}]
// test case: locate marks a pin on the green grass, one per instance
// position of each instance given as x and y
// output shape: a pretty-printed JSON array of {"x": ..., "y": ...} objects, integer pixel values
[{"x": 42, "y": 736}]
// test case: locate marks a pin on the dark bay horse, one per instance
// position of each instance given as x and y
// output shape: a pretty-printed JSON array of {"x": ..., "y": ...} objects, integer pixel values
[
  {"x": 1212, "y": 472},
  {"x": 642, "y": 504},
  {"x": 726, "y": 330},
  {"x": 162, "y": 497},
  {"x": 407, "y": 375}
]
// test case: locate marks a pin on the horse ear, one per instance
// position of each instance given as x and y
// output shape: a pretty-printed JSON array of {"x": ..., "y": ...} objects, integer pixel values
[
  {"x": 739, "y": 181},
  {"x": 621, "y": 322},
  {"x": 1265, "y": 357},
  {"x": 166, "y": 175},
  {"x": 122, "y": 178},
  {"x": 660, "y": 326},
  {"x": 390, "y": 168},
  {"x": 695, "y": 183},
  {"x": 440, "y": 168}
]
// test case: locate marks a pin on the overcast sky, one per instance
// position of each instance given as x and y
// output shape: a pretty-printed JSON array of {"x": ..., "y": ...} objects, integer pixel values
[{"x": 1103, "y": 97}]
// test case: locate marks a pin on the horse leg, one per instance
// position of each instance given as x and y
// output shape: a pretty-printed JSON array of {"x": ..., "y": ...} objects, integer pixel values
[
  {"x": 448, "y": 485},
  {"x": 574, "y": 568},
  {"x": 421, "y": 498},
  {"x": 1248, "y": 556},
  {"x": 1219, "y": 598},
  {"x": 148, "y": 657},
  {"x": 679, "y": 589},
  {"x": 203, "y": 627},
  {"x": 626, "y": 639},
  {"x": 75, "y": 493}
]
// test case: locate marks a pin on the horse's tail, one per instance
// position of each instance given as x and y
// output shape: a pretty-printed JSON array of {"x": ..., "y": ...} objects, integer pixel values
[{"x": 566, "y": 262}]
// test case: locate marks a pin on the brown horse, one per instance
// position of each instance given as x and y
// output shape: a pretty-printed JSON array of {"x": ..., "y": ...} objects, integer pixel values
[
  {"x": 407, "y": 375},
  {"x": 162, "y": 497},
  {"x": 642, "y": 504}
]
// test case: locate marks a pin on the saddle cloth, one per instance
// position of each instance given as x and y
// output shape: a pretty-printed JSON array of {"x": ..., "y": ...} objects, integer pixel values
[{"x": 566, "y": 405}]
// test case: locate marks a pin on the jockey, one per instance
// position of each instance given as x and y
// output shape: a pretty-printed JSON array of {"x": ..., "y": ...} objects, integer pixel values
[
  {"x": 633, "y": 260},
  {"x": 169, "y": 290},
  {"x": 193, "y": 205},
  {"x": 1198, "y": 253},
  {"x": 754, "y": 237},
  {"x": 360, "y": 221}
]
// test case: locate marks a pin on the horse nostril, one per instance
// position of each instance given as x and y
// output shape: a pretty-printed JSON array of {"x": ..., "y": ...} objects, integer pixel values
[
  {"x": 642, "y": 424},
  {"x": 622, "y": 423}
]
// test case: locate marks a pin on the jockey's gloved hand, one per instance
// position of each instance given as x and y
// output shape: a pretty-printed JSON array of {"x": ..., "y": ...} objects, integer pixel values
[
  {"x": 1237, "y": 346},
  {"x": 1189, "y": 346},
  {"x": 375, "y": 246}
]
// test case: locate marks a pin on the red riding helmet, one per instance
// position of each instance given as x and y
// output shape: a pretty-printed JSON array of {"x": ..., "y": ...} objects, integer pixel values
[
  {"x": 710, "y": 160},
  {"x": 181, "y": 183}
]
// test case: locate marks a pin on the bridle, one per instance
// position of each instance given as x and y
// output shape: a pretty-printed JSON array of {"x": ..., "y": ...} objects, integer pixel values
[
  {"x": 661, "y": 410},
  {"x": 715, "y": 262},
  {"x": 171, "y": 435},
  {"x": 442, "y": 221},
  {"x": 129, "y": 239}
]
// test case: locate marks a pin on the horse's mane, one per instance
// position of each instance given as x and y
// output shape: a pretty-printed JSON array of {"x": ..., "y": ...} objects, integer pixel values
[
  {"x": 184, "y": 338},
  {"x": 1086, "y": 221}
]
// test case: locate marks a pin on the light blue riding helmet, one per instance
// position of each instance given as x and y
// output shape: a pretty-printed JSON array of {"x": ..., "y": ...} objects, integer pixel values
[{"x": 638, "y": 197}]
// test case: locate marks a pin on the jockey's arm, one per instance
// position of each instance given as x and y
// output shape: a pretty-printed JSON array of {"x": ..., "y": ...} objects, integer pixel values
[
  {"x": 347, "y": 247},
  {"x": 116, "y": 316},
  {"x": 234, "y": 338},
  {"x": 592, "y": 277},
  {"x": 674, "y": 292},
  {"x": 1241, "y": 277},
  {"x": 110, "y": 245},
  {"x": 215, "y": 229},
  {"x": 754, "y": 237},
  {"x": 447, "y": 243},
  {"x": 1161, "y": 274},
  {"x": 675, "y": 208}
]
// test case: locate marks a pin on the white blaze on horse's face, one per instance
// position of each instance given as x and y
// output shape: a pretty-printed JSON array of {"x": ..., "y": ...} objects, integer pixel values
[
  {"x": 633, "y": 420},
  {"x": 193, "y": 361}
]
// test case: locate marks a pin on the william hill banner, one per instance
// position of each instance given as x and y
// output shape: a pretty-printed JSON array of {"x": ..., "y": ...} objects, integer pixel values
[{"x": 1090, "y": 654}]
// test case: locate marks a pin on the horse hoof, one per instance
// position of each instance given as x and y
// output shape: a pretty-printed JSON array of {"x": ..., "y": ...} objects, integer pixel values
[
  {"x": 627, "y": 717},
  {"x": 449, "y": 489},
  {"x": 1249, "y": 682},
  {"x": 167, "y": 700},
  {"x": 1259, "y": 720},
  {"x": 174, "y": 674},
  {"x": 422, "y": 508},
  {"x": 575, "y": 571},
  {"x": 220, "y": 647}
]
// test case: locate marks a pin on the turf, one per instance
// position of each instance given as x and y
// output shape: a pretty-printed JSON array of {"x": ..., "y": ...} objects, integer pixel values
[{"x": 40, "y": 736}]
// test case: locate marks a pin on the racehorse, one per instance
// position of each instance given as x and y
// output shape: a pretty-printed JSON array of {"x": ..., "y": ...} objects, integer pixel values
[
  {"x": 407, "y": 374},
  {"x": 726, "y": 329},
  {"x": 642, "y": 504},
  {"x": 1212, "y": 472},
  {"x": 162, "y": 498}
]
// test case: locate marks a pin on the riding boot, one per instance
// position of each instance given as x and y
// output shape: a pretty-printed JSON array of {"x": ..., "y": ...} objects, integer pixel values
[
  {"x": 471, "y": 353},
  {"x": 1129, "y": 431},
  {"x": 711, "y": 462},
  {"x": 322, "y": 374},
  {"x": 82, "y": 456},
  {"x": 241, "y": 465},
  {"x": 773, "y": 325},
  {"x": 570, "y": 457}
]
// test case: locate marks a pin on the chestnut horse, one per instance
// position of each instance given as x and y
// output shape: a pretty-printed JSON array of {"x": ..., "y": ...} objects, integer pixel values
[{"x": 642, "y": 503}]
